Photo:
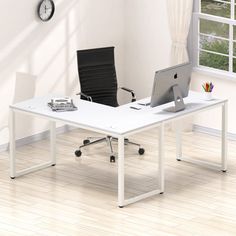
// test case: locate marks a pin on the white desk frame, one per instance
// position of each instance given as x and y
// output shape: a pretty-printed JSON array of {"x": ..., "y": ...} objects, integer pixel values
[{"x": 53, "y": 117}]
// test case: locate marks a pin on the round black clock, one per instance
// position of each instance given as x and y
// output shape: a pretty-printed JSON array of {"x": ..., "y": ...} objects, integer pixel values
[{"x": 46, "y": 9}]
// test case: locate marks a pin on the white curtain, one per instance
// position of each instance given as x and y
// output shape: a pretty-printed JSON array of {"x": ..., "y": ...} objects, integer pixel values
[{"x": 179, "y": 14}]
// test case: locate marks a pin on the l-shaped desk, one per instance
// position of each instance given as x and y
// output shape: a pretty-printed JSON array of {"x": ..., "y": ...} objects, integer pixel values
[{"x": 117, "y": 122}]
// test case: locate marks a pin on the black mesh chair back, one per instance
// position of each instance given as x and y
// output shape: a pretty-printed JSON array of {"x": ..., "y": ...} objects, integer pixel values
[{"x": 97, "y": 75}]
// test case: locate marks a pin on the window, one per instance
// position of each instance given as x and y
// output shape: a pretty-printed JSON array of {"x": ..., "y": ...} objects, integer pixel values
[{"x": 215, "y": 36}]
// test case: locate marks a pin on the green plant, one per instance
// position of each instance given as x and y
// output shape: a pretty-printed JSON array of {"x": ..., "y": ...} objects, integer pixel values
[{"x": 214, "y": 60}]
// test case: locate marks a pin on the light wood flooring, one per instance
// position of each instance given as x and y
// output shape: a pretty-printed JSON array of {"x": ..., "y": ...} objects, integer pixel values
[{"x": 79, "y": 195}]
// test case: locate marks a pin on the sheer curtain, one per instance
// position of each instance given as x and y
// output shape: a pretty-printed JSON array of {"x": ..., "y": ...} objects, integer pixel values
[{"x": 179, "y": 14}]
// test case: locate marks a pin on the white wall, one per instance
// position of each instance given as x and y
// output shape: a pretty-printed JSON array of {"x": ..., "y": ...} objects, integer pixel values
[
  {"x": 147, "y": 43},
  {"x": 48, "y": 50},
  {"x": 223, "y": 89}
]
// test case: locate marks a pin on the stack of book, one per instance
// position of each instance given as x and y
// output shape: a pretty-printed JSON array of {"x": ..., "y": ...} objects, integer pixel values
[{"x": 62, "y": 104}]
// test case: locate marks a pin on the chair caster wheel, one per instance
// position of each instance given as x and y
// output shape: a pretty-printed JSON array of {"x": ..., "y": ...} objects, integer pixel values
[
  {"x": 78, "y": 153},
  {"x": 162, "y": 193},
  {"x": 224, "y": 171},
  {"x": 141, "y": 151},
  {"x": 112, "y": 159},
  {"x": 13, "y": 177},
  {"x": 53, "y": 164},
  {"x": 121, "y": 206},
  {"x": 86, "y": 141}
]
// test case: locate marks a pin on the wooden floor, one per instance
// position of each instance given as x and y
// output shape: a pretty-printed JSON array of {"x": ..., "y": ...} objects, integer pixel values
[{"x": 79, "y": 195}]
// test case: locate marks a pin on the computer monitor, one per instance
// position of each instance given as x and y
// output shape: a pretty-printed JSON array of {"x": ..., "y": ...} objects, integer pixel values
[{"x": 171, "y": 84}]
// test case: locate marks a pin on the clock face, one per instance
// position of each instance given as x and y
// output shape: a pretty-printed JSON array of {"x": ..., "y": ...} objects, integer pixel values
[{"x": 46, "y": 10}]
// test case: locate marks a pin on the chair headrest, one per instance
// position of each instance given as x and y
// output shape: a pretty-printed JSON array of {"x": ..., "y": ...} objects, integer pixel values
[{"x": 96, "y": 56}]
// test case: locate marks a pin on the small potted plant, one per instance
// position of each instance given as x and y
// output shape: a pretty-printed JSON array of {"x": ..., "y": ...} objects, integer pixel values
[{"x": 208, "y": 88}]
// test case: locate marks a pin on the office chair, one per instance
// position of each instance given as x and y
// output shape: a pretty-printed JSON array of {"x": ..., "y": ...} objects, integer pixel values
[{"x": 98, "y": 82}]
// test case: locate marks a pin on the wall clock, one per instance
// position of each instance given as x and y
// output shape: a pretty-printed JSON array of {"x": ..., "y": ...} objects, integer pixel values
[{"x": 46, "y": 9}]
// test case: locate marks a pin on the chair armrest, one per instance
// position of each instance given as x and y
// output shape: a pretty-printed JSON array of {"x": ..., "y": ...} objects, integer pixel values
[
  {"x": 130, "y": 91},
  {"x": 89, "y": 98}
]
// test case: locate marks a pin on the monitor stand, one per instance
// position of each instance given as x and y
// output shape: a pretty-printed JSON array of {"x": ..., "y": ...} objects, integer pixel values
[{"x": 178, "y": 100}]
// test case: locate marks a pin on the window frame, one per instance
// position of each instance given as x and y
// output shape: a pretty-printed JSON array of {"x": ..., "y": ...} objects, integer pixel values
[{"x": 197, "y": 15}]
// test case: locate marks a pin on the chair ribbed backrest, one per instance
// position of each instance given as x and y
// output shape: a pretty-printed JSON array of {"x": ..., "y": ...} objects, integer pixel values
[{"x": 97, "y": 75}]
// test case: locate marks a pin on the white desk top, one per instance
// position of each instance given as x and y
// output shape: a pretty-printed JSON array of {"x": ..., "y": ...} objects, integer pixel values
[{"x": 114, "y": 121}]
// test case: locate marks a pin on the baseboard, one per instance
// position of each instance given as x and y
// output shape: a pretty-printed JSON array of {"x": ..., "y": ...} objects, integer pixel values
[
  {"x": 36, "y": 137},
  {"x": 214, "y": 132}
]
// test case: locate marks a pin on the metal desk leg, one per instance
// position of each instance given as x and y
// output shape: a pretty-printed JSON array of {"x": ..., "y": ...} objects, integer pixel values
[
  {"x": 161, "y": 159},
  {"x": 13, "y": 172},
  {"x": 121, "y": 172},
  {"x": 221, "y": 166},
  {"x": 224, "y": 127},
  {"x": 121, "y": 180},
  {"x": 12, "y": 144},
  {"x": 53, "y": 142},
  {"x": 179, "y": 140}
]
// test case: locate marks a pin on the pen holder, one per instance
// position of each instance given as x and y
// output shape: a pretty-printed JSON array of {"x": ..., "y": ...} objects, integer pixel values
[
  {"x": 208, "y": 96},
  {"x": 208, "y": 88}
]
